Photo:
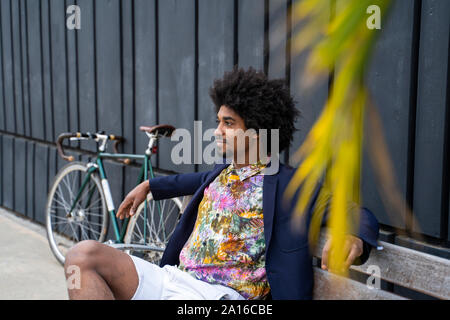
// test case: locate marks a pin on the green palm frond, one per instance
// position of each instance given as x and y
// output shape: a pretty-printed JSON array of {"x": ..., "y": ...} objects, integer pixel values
[{"x": 333, "y": 147}]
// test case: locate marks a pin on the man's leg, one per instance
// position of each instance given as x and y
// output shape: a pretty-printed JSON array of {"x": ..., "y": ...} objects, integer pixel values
[{"x": 106, "y": 273}]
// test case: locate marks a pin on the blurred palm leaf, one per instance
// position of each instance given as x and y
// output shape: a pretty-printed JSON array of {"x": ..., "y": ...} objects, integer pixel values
[{"x": 332, "y": 150}]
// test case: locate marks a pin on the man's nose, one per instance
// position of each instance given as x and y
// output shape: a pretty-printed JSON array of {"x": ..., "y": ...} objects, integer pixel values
[{"x": 218, "y": 132}]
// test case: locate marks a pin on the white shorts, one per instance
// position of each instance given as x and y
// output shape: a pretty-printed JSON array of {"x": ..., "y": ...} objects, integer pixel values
[{"x": 170, "y": 283}]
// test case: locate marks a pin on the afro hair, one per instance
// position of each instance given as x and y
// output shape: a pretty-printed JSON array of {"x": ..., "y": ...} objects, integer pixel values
[{"x": 262, "y": 103}]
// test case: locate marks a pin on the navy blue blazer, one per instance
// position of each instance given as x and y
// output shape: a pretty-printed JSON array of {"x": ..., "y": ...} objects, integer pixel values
[{"x": 288, "y": 258}]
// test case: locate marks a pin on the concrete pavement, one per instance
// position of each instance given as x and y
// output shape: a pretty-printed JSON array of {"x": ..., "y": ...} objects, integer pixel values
[{"x": 28, "y": 269}]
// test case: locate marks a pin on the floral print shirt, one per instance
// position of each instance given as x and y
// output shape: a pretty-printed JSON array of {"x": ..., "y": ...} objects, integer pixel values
[{"x": 227, "y": 245}]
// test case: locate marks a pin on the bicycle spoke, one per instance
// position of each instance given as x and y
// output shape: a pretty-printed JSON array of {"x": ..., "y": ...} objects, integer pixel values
[
  {"x": 151, "y": 224},
  {"x": 60, "y": 222},
  {"x": 154, "y": 224},
  {"x": 66, "y": 183},
  {"x": 64, "y": 203},
  {"x": 83, "y": 232},
  {"x": 140, "y": 234},
  {"x": 87, "y": 192},
  {"x": 89, "y": 213},
  {"x": 73, "y": 232},
  {"x": 94, "y": 223},
  {"x": 161, "y": 218},
  {"x": 61, "y": 218},
  {"x": 65, "y": 229},
  {"x": 166, "y": 237}
]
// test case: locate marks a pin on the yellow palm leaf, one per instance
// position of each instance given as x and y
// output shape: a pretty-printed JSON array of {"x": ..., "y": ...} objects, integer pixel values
[{"x": 332, "y": 149}]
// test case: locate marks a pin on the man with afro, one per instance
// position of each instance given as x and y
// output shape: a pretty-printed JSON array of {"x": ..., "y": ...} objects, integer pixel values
[{"x": 235, "y": 238}]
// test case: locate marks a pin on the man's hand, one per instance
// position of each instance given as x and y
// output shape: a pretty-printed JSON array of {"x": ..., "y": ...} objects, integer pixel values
[
  {"x": 133, "y": 199},
  {"x": 353, "y": 248}
]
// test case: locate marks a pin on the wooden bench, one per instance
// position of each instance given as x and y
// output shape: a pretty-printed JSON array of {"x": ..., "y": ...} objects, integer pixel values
[
  {"x": 411, "y": 269},
  {"x": 398, "y": 265}
]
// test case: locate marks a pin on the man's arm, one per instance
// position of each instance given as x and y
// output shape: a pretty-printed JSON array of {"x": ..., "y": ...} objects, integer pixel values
[
  {"x": 177, "y": 185},
  {"x": 164, "y": 187}
]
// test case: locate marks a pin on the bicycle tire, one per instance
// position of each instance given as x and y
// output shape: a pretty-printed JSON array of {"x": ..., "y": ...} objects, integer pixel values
[
  {"x": 156, "y": 236},
  {"x": 65, "y": 231}
]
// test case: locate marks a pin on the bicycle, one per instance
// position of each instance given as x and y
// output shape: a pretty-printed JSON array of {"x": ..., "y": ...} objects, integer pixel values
[{"x": 80, "y": 205}]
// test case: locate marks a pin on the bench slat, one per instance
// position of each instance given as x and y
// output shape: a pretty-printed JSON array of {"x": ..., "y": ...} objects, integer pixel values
[
  {"x": 409, "y": 268},
  {"x": 329, "y": 286}
]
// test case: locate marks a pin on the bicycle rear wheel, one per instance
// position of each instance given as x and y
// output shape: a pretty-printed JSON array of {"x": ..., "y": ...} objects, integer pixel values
[
  {"x": 160, "y": 225},
  {"x": 89, "y": 218}
]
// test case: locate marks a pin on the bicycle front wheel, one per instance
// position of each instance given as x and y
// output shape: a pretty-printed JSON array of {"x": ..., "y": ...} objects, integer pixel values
[
  {"x": 160, "y": 222},
  {"x": 88, "y": 219}
]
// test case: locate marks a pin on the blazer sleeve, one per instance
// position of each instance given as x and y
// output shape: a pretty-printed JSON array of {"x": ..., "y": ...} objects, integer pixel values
[{"x": 177, "y": 185}]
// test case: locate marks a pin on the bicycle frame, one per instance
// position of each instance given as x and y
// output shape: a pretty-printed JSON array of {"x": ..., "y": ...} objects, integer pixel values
[{"x": 119, "y": 233}]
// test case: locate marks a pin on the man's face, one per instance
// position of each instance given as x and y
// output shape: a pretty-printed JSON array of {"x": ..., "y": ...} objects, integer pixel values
[{"x": 229, "y": 126}]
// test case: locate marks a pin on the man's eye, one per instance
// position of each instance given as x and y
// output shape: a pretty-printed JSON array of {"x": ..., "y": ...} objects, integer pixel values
[{"x": 228, "y": 123}]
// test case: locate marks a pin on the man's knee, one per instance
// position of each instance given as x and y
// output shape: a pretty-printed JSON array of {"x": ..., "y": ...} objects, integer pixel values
[{"x": 84, "y": 254}]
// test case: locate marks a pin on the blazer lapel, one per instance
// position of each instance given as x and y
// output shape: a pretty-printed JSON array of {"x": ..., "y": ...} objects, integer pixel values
[
  {"x": 187, "y": 222},
  {"x": 269, "y": 195}
]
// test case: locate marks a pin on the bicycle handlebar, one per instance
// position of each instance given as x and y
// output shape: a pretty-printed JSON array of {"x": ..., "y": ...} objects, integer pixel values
[{"x": 117, "y": 140}]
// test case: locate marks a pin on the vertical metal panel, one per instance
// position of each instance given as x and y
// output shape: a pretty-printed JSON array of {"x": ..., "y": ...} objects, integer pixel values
[
  {"x": 30, "y": 180},
  {"x": 17, "y": 76},
  {"x": 1, "y": 170},
  {"x": 389, "y": 77},
  {"x": 309, "y": 102},
  {"x": 8, "y": 88},
  {"x": 20, "y": 181},
  {"x": 277, "y": 38},
  {"x": 40, "y": 182},
  {"x": 215, "y": 57},
  {"x": 430, "y": 120},
  {"x": 24, "y": 61},
  {"x": 278, "y": 47},
  {"x": 145, "y": 73},
  {"x": 58, "y": 67},
  {"x": 46, "y": 71},
  {"x": 251, "y": 33},
  {"x": 52, "y": 165},
  {"x": 176, "y": 74},
  {"x": 71, "y": 77},
  {"x": 86, "y": 72},
  {"x": 127, "y": 63},
  {"x": 2, "y": 84},
  {"x": 35, "y": 70},
  {"x": 108, "y": 66},
  {"x": 8, "y": 172}
]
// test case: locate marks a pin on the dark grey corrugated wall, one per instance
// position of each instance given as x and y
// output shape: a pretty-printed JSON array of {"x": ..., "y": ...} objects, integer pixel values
[{"x": 143, "y": 62}]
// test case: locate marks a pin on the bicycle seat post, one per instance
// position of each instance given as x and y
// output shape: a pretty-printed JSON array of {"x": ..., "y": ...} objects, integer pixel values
[
  {"x": 103, "y": 139},
  {"x": 151, "y": 142}
]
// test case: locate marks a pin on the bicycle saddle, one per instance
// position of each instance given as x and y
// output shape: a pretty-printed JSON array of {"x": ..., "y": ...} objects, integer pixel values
[{"x": 161, "y": 129}]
